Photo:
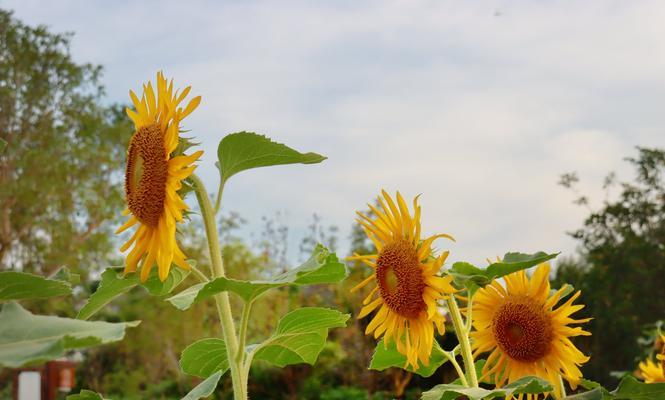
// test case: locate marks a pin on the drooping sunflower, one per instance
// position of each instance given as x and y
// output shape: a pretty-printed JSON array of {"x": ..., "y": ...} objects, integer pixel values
[
  {"x": 525, "y": 331},
  {"x": 405, "y": 271},
  {"x": 153, "y": 176},
  {"x": 654, "y": 372}
]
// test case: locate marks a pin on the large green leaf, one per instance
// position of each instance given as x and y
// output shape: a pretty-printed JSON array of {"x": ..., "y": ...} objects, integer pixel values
[
  {"x": 387, "y": 356},
  {"x": 205, "y": 388},
  {"x": 113, "y": 284},
  {"x": 528, "y": 384},
  {"x": 246, "y": 150},
  {"x": 469, "y": 275},
  {"x": 205, "y": 357},
  {"x": 631, "y": 388},
  {"x": 3, "y": 144},
  {"x": 322, "y": 267},
  {"x": 595, "y": 394},
  {"x": 27, "y": 338},
  {"x": 85, "y": 395},
  {"x": 300, "y": 336},
  {"x": 22, "y": 286}
]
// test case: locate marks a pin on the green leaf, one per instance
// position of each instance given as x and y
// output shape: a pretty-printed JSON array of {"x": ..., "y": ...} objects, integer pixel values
[
  {"x": 300, "y": 336},
  {"x": 322, "y": 267},
  {"x": 205, "y": 388},
  {"x": 28, "y": 338},
  {"x": 205, "y": 357},
  {"x": 527, "y": 384},
  {"x": 469, "y": 275},
  {"x": 246, "y": 150},
  {"x": 631, "y": 388},
  {"x": 387, "y": 356},
  {"x": 598, "y": 393},
  {"x": 22, "y": 286},
  {"x": 85, "y": 395},
  {"x": 64, "y": 274},
  {"x": 113, "y": 285},
  {"x": 156, "y": 287},
  {"x": 3, "y": 145}
]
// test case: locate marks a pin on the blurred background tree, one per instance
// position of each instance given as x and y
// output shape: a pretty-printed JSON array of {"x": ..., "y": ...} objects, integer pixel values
[
  {"x": 61, "y": 171},
  {"x": 620, "y": 267}
]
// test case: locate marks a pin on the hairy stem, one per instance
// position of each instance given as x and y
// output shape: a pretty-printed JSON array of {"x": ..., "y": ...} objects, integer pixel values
[
  {"x": 200, "y": 275},
  {"x": 451, "y": 357},
  {"x": 246, "y": 309},
  {"x": 465, "y": 344},
  {"x": 221, "y": 299},
  {"x": 561, "y": 387}
]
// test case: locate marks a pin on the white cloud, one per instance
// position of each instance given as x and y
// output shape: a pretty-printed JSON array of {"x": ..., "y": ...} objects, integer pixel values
[{"x": 479, "y": 106}]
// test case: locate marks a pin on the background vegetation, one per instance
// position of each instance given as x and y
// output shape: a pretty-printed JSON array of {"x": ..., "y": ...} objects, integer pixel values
[{"x": 61, "y": 179}]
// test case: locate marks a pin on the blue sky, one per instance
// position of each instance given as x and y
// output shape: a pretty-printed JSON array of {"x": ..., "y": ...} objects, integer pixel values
[{"x": 479, "y": 106}]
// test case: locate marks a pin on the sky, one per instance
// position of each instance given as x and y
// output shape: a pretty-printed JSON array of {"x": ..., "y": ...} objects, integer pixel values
[{"x": 478, "y": 106}]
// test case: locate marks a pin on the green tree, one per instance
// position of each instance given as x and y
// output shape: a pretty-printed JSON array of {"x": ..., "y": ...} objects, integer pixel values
[
  {"x": 61, "y": 171},
  {"x": 621, "y": 266}
]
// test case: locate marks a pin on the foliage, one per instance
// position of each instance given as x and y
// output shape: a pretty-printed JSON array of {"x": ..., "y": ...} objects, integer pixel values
[
  {"x": 28, "y": 339},
  {"x": 528, "y": 384},
  {"x": 22, "y": 286},
  {"x": 51, "y": 103},
  {"x": 622, "y": 260},
  {"x": 387, "y": 356},
  {"x": 322, "y": 267},
  {"x": 246, "y": 150}
]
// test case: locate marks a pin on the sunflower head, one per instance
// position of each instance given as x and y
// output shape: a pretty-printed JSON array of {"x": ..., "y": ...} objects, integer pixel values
[
  {"x": 407, "y": 283},
  {"x": 526, "y": 333},
  {"x": 153, "y": 177},
  {"x": 652, "y": 372}
]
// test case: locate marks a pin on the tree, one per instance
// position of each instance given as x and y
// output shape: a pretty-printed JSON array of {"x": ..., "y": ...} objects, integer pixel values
[
  {"x": 621, "y": 266},
  {"x": 61, "y": 170}
]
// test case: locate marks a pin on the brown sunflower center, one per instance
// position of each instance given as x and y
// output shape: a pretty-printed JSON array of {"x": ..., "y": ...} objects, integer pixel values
[
  {"x": 522, "y": 329},
  {"x": 400, "y": 279},
  {"x": 146, "y": 173}
]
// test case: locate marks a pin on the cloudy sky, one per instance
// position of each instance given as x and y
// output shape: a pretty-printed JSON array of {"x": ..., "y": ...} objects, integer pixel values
[{"x": 479, "y": 106}]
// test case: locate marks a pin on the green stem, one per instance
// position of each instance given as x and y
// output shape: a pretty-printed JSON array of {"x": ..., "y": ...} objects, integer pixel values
[
  {"x": 469, "y": 313},
  {"x": 221, "y": 299},
  {"x": 200, "y": 275},
  {"x": 562, "y": 388},
  {"x": 218, "y": 200},
  {"x": 246, "y": 309},
  {"x": 463, "y": 337},
  {"x": 458, "y": 368}
]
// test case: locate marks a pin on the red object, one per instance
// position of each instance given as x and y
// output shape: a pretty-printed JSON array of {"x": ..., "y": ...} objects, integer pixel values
[{"x": 56, "y": 376}]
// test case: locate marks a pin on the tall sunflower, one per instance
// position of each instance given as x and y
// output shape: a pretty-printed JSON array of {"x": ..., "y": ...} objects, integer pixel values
[
  {"x": 525, "y": 332},
  {"x": 153, "y": 177},
  {"x": 405, "y": 271},
  {"x": 654, "y": 372}
]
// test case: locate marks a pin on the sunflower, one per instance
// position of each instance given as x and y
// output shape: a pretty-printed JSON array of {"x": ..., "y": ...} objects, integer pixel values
[
  {"x": 652, "y": 372},
  {"x": 655, "y": 372},
  {"x": 153, "y": 177},
  {"x": 408, "y": 287},
  {"x": 525, "y": 332}
]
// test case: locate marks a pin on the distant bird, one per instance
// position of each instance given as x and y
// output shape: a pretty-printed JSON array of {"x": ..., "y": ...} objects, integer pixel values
[{"x": 498, "y": 13}]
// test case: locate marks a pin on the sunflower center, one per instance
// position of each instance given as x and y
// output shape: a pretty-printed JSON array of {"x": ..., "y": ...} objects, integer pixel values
[
  {"x": 400, "y": 279},
  {"x": 522, "y": 330},
  {"x": 146, "y": 174}
]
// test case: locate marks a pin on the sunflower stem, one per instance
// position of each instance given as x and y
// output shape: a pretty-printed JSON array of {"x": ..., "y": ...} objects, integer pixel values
[
  {"x": 562, "y": 388},
  {"x": 246, "y": 309},
  {"x": 451, "y": 357},
  {"x": 200, "y": 275},
  {"x": 465, "y": 344},
  {"x": 221, "y": 299},
  {"x": 220, "y": 191}
]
